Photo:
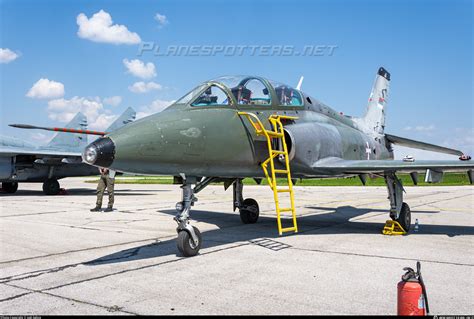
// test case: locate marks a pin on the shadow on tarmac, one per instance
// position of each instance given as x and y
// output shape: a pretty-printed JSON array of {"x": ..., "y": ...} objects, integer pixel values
[
  {"x": 86, "y": 191},
  {"x": 231, "y": 230}
]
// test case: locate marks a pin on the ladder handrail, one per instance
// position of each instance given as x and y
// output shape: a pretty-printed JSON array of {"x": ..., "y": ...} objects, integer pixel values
[{"x": 276, "y": 132}]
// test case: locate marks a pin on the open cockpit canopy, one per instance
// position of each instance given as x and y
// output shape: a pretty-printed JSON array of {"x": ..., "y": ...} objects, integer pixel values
[{"x": 243, "y": 90}]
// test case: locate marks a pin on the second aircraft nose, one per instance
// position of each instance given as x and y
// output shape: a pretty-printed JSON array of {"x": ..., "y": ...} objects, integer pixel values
[{"x": 101, "y": 152}]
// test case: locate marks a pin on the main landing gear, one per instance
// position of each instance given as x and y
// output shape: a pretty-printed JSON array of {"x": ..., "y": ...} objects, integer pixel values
[
  {"x": 10, "y": 187},
  {"x": 189, "y": 237},
  {"x": 399, "y": 210},
  {"x": 248, "y": 208},
  {"x": 51, "y": 187}
]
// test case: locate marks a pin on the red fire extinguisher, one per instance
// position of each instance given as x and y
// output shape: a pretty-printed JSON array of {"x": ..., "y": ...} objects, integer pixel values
[{"x": 412, "y": 298}]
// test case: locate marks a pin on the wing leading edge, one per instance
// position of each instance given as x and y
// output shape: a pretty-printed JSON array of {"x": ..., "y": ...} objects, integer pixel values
[
  {"x": 341, "y": 166},
  {"x": 402, "y": 141}
]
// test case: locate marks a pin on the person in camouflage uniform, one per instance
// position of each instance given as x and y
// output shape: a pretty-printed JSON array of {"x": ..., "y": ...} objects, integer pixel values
[{"x": 107, "y": 180}]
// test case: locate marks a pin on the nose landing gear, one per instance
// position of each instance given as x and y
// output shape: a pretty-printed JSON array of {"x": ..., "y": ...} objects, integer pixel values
[{"x": 189, "y": 237}]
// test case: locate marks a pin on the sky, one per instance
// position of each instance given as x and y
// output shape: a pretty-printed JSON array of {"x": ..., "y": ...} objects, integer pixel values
[{"x": 100, "y": 57}]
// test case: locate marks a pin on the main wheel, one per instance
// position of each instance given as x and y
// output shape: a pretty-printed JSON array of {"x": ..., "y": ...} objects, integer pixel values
[
  {"x": 249, "y": 212},
  {"x": 51, "y": 187},
  {"x": 10, "y": 187},
  {"x": 186, "y": 245},
  {"x": 405, "y": 217}
]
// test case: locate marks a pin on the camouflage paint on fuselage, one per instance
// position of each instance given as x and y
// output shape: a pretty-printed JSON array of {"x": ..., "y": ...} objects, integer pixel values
[{"x": 215, "y": 141}]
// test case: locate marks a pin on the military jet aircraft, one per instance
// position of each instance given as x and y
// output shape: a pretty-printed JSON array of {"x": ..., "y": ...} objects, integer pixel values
[
  {"x": 21, "y": 161},
  {"x": 226, "y": 129}
]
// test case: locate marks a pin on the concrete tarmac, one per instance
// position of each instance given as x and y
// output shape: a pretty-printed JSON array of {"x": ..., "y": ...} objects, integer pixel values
[{"x": 57, "y": 257}]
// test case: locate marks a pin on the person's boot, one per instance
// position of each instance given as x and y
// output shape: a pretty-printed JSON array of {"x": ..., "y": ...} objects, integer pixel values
[
  {"x": 108, "y": 209},
  {"x": 96, "y": 209}
]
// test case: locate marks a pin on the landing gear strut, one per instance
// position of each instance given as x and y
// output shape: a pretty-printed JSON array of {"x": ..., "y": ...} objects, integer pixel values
[
  {"x": 189, "y": 237},
  {"x": 399, "y": 210},
  {"x": 248, "y": 208}
]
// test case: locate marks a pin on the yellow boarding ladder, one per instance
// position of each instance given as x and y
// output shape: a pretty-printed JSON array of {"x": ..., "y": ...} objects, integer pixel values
[{"x": 276, "y": 133}]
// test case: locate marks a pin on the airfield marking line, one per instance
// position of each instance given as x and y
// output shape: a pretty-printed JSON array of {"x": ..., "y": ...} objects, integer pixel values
[
  {"x": 380, "y": 256},
  {"x": 33, "y": 291}
]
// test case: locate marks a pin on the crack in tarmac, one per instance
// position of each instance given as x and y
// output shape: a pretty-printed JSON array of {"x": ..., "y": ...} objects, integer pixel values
[
  {"x": 46, "y": 290},
  {"x": 114, "y": 308},
  {"x": 380, "y": 256},
  {"x": 137, "y": 250}
]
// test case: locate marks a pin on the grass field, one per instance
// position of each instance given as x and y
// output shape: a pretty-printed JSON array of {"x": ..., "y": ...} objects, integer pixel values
[{"x": 449, "y": 179}]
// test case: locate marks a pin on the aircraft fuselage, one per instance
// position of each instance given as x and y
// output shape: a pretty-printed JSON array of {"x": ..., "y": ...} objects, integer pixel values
[{"x": 216, "y": 141}]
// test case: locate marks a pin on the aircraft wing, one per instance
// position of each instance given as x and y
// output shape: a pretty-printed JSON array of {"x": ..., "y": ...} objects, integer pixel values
[
  {"x": 12, "y": 151},
  {"x": 341, "y": 166},
  {"x": 402, "y": 141}
]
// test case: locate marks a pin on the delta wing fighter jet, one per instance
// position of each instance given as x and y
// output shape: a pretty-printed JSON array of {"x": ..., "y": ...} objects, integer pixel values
[
  {"x": 21, "y": 161},
  {"x": 247, "y": 126}
]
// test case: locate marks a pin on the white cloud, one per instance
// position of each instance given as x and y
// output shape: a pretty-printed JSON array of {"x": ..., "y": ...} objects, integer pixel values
[
  {"x": 113, "y": 100},
  {"x": 142, "y": 87},
  {"x": 420, "y": 128},
  {"x": 64, "y": 110},
  {"x": 155, "y": 107},
  {"x": 98, "y": 117},
  {"x": 99, "y": 28},
  {"x": 140, "y": 69},
  {"x": 103, "y": 121},
  {"x": 7, "y": 55},
  {"x": 162, "y": 19},
  {"x": 461, "y": 139},
  {"x": 46, "y": 89},
  {"x": 41, "y": 137}
]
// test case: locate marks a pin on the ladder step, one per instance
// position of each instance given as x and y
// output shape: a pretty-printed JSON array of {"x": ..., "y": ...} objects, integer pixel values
[
  {"x": 274, "y": 134},
  {"x": 278, "y": 152}
]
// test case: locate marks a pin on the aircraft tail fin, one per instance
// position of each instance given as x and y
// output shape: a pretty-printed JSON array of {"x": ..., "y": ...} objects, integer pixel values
[
  {"x": 127, "y": 116},
  {"x": 375, "y": 116},
  {"x": 71, "y": 141}
]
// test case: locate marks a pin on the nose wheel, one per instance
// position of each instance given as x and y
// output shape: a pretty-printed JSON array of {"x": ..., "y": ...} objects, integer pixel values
[
  {"x": 189, "y": 237},
  {"x": 187, "y": 246}
]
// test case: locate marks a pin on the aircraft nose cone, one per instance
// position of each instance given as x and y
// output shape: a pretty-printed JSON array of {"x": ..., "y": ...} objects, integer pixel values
[{"x": 100, "y": 152}]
